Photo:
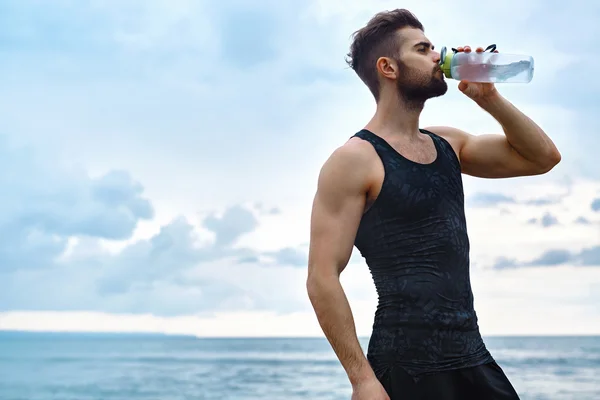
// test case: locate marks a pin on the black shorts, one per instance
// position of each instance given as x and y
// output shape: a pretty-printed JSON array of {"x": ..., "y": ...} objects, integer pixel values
[{"x": 484, "y": 382}]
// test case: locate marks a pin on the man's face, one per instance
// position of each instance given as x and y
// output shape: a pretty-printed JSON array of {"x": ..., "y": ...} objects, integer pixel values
[{"x": 420, "y": 76}]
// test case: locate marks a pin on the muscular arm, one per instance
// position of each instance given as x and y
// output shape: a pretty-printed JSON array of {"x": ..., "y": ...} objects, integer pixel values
[
  {"x": 523, "y": 150},
  {"x": 337, "y": 209}
]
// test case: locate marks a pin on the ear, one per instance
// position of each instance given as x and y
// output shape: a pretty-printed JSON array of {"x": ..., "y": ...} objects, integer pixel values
[{"x": 387, "y": 67}]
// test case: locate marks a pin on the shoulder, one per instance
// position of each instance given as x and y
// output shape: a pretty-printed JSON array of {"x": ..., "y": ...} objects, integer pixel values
[
  {"x": 349, "y": 165},
  {"x": 455, "y": 137},
  {"x": 354, "y": 150},
  {"x": 353, "y": 155}
]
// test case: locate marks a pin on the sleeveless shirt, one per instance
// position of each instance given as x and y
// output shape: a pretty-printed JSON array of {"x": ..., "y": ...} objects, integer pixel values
[{"x": 415, "y": 243}]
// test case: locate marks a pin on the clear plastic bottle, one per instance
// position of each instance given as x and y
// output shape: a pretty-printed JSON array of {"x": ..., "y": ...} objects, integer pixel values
[{"x": 487, "y": 67}]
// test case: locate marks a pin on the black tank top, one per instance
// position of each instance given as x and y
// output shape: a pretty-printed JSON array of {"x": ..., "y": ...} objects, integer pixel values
[{"x": 414, "y": 240}]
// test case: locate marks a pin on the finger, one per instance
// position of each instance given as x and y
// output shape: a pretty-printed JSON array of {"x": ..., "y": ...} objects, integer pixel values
[
  {"x": 460, "y": 49},
  {"x": 495, "y": 51},
  {"x": 467, "y": 49},
  {"x": 479, "y": 50}
]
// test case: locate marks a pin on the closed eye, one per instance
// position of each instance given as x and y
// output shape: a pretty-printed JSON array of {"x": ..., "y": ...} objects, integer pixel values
[{"x": 424, "y": 46}]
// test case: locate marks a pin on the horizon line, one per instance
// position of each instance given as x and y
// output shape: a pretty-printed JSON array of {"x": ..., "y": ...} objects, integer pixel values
[{"x": 248, "y": 337}]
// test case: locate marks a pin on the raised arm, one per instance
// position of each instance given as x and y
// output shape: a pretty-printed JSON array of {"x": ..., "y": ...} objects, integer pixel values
[
  {"x": 337, "y": 209},
  {"x": 523, "y": 150}
]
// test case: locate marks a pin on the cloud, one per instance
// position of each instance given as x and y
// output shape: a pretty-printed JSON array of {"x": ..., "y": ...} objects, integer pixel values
[
  {"x": 588, "y": 257},
  {"x": 490, "y": 199},
  {"x": 557, "y": 235},
  {"x": 174, "y": 272},
  {"x": 503, "y": 262},
  {"x": 55, "y": 222},
  {"x": 264, "y": 210},
  {"x": 582, "y": 221},
  {"x": 235, "y": 222},
  {"x": 596, "y": 205},
  {"x": 547, "y": 201},
  {"x": 547, "y": 220},
  {"x": 290, "y": 256},
  {"x": 164, "y": 256},
  {"x": 553, "y": 257},
  {"x": 44, "y": 205}
]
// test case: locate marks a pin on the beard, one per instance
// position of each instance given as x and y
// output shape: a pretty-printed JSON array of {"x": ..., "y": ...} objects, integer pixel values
[{"x": 416, "y": 86}]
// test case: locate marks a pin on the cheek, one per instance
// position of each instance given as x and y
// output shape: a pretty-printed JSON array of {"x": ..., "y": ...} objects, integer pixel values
[
  {"x": 420, "y": 66},
  {"x": 428, "y": 64}
]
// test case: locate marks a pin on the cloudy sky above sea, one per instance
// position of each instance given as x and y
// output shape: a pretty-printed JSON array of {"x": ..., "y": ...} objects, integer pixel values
[{"x": 158, "y": 161}]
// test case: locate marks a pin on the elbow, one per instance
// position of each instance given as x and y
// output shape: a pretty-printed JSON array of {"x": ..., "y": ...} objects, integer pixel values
[
  {"x": 317, "y": 283},
  {"x": 551, "y": 160},
  {"x": 547, "y": 162},
  {"x": 556, "y": 157},
  {"x": 314, "y": 288},
  {"x": 310, "y": 282},
  {"x": 313, "y": 285}
]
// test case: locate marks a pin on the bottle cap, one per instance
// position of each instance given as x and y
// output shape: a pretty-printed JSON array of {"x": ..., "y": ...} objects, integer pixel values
[{"x": 446, "y": 61}]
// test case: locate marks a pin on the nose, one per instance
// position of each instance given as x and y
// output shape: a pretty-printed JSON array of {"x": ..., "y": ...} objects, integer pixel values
[{"x": 436, "y": 57}]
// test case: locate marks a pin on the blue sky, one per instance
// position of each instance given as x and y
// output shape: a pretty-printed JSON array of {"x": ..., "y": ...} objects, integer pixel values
[{"x": 159, "y": 160}]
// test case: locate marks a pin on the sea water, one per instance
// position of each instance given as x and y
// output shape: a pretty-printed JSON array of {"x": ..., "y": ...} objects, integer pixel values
[{"x": 41, "y": 366}]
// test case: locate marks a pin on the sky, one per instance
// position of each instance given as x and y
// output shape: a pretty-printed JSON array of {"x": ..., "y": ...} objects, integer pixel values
[{"x": 159, "y": 158}]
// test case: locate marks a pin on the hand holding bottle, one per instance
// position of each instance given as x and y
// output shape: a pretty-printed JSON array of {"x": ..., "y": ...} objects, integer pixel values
[{"x": 475, "y": 90}]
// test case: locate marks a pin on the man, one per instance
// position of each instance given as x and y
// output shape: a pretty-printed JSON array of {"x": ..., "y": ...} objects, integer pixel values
[{"x": 395, "y": 191}]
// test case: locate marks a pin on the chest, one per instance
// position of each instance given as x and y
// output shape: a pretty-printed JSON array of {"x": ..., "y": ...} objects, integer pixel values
[{"x": 420, "y": 152}]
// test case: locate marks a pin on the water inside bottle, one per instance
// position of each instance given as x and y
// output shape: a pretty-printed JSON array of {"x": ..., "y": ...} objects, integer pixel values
[{"x": 518, "y": 71}]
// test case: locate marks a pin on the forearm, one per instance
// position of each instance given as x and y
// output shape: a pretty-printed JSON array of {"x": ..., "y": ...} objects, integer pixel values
[
  {"x": 524, "y": 135},
  {"x": 335, "y": 317}
]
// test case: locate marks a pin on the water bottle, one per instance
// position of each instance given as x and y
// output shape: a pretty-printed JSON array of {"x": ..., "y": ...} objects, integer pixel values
[{"x": 486, "y": 66}]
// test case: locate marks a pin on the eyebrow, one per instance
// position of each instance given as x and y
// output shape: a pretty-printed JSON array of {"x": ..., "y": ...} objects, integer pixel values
[{"x": 426, "y": 44}]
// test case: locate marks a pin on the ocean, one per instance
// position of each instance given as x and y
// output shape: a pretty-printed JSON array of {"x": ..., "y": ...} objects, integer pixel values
[{"x": 44, "y": 366}]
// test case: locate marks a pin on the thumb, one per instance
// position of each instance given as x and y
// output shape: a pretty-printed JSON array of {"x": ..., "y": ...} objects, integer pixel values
[{"x": 463, "y": 85}]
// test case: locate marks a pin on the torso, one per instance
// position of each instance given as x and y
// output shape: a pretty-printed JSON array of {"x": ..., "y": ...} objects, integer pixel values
[{"x": 413, "y": 236}]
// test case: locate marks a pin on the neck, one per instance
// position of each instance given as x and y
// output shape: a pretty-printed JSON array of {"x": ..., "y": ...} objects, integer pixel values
[{"x": 396, "y": 116}]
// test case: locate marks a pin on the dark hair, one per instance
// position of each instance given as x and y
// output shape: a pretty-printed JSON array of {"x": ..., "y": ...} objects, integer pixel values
[{"x": 379, "y": 38}]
